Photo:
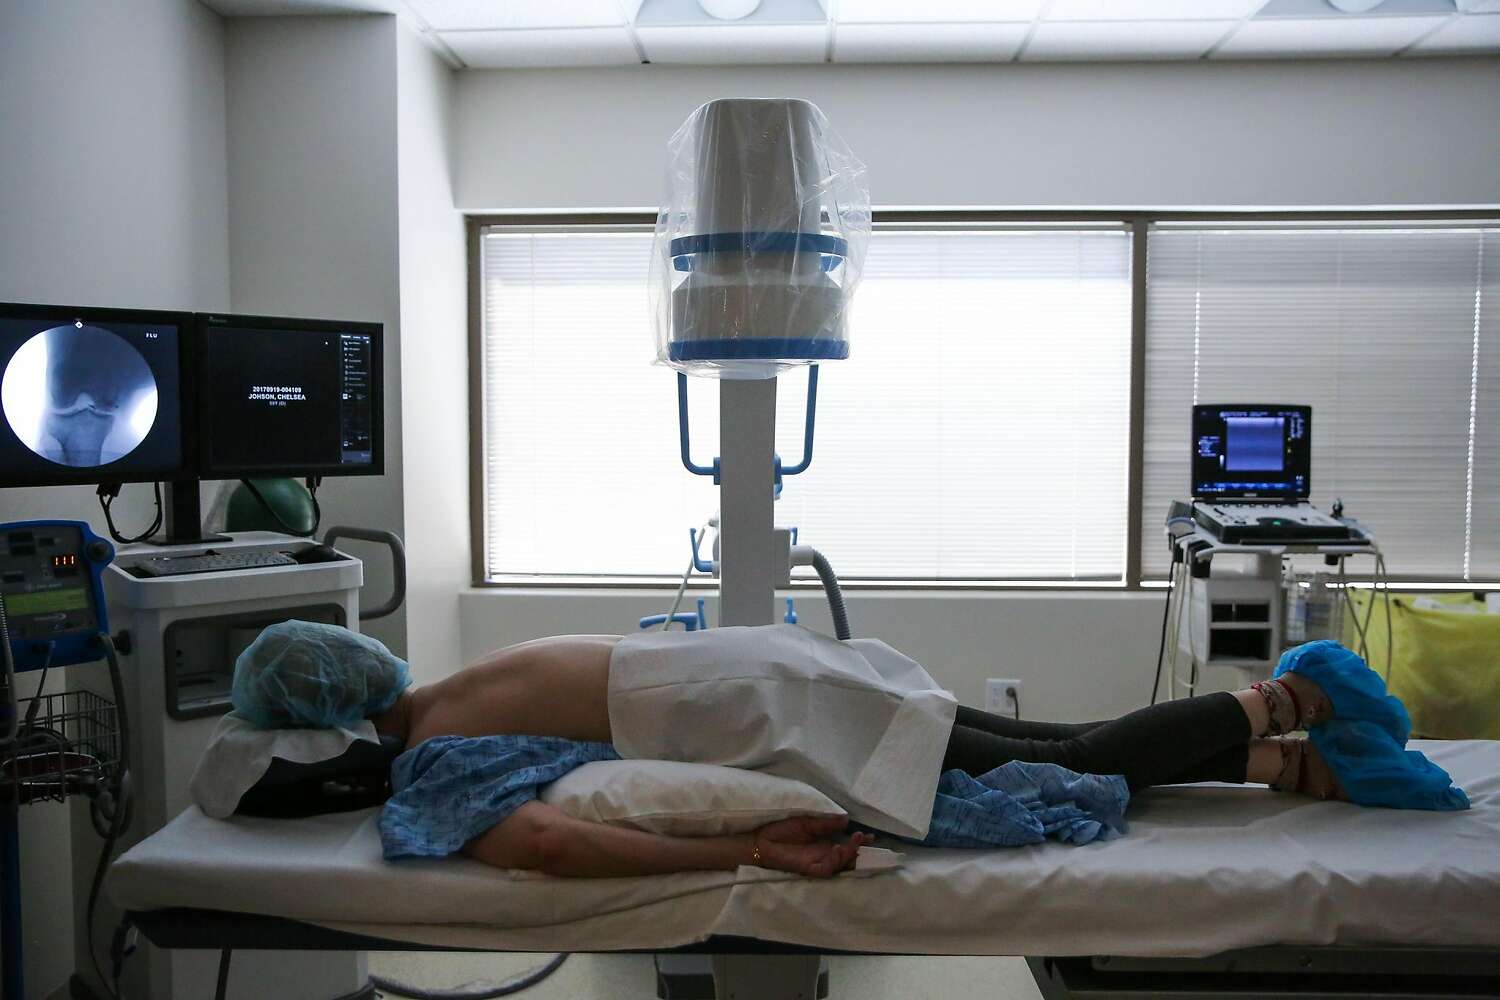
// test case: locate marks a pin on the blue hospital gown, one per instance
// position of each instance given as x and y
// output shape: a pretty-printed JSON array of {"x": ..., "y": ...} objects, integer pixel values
[{"x": 449, "y": 789}]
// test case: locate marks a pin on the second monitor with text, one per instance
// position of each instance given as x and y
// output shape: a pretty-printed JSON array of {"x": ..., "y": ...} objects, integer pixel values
[{"x": 285, "y": 397}]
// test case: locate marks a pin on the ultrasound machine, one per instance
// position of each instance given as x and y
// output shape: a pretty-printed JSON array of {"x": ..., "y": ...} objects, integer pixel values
[
  {"x": 1252, "y": 475},
  {"x": 108, "y": 398}
]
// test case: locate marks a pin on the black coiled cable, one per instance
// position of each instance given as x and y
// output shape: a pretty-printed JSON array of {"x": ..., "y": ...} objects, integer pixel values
[
  {"x": 107, "y": 495},
  {"x": 522, "y": 982},
  {"x": 110, "y": 811}
]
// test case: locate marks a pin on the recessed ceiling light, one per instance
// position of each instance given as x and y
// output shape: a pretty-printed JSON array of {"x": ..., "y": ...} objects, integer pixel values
[
  {"x": 1355, "y": 6},
  {"x": 719, "y": 13},
  {"x": 729, "y": 10}
]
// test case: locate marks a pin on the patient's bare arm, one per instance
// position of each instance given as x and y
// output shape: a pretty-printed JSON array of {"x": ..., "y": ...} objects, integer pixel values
[{"x": 542, "y": 838}]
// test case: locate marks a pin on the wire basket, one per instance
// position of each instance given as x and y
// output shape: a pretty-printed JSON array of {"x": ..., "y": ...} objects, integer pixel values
[{"x": 72, "y": 746}]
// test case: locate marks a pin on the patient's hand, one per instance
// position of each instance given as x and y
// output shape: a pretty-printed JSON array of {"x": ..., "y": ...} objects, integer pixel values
[{"x": 802, "y": 845}]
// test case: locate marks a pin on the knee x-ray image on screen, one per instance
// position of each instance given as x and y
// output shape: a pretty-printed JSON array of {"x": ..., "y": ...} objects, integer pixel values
[
  {"x": 90, "y": 395},
  {"x": 79, "y": 395}
]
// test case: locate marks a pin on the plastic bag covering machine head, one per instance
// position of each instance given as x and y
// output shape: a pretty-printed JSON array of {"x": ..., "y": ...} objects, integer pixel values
[{"x": 760, "y": 241}]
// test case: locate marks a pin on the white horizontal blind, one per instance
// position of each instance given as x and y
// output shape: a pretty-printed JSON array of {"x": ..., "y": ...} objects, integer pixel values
[
  {"x": 1485, "y": 522},
  {"x": 978, "y": 431},
  {"x": 581, "y": 468},
  {"x": 1374, "y": 328}
]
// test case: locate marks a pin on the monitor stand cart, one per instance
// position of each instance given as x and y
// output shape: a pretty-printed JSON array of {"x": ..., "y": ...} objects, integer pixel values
[
  {"x": 178, "y": 639},
  {"x": 1235, "y": 617}
]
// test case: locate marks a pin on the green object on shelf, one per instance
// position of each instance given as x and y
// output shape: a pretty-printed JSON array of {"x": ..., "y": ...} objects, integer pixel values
[{"x": 287, "y": 497}]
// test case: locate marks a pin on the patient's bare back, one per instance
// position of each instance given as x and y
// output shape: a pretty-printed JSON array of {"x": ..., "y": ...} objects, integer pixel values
[{"x": 547, "y": 687}]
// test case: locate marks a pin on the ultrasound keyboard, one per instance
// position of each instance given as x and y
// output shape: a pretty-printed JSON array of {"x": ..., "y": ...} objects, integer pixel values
[
  {"x": 218, "y": 562},
  {"x": 1270, "y": 524}
]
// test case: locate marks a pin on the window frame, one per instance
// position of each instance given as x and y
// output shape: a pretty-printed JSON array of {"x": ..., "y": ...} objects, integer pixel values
[{"x": 1138, "y": 223}]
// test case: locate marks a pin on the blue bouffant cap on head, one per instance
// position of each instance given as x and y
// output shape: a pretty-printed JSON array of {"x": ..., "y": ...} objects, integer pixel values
[{"x": 310, "y": 674}]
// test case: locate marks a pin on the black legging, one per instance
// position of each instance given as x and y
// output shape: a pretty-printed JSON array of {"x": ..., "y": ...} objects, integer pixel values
[{"x": 1196, "y": 739}]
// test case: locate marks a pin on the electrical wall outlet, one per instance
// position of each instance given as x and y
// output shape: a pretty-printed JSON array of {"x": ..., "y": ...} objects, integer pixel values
[{"x": 1002, "y": 696}]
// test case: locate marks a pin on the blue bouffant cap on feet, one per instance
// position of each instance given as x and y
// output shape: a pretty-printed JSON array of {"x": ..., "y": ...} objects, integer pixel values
[
  {"x": 1357, "y": 692},
  {"x": 310, "y": 674},
  {"x": 1373, "y": 770}
]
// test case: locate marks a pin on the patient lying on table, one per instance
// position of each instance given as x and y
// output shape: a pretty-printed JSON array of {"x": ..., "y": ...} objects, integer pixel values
[{"x": 785, "y": 700}]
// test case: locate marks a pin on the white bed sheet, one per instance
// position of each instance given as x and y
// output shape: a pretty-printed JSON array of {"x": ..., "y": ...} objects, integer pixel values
[{"x": 1204, "y": 869}]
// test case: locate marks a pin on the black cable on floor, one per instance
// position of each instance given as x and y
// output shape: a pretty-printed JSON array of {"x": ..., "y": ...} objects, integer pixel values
[{"x": 522, "y": 982}]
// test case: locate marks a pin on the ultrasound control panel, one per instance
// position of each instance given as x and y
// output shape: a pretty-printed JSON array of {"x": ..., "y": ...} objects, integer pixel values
[
  {"x": 1270, "y": 524},
  {"x": 52, "y": 590}
]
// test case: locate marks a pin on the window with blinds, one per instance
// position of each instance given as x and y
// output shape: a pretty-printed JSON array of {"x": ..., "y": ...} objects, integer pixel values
[
  {"x": 1389, "y": 333},
  {"x": 978, "y": 432}
]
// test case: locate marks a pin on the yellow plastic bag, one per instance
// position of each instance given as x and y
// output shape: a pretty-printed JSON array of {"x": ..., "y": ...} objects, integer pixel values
[{"x": 1446, "y": 667}]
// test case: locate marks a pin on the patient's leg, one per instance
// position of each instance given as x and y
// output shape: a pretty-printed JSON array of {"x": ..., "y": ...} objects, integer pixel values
[
  {"x": 1197, "y": 739},
  {"x": 1194, "y": 739},
  {"x": 1293, "y": 764},
  {"x": 1020, "y": 728}
]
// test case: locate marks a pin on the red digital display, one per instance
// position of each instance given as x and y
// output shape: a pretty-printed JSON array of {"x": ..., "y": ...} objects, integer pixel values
[{"x": 61, "y": 562}]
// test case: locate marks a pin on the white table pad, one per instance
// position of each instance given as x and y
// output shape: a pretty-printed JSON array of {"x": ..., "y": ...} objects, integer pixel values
[{"x": 1204, "y": 869}]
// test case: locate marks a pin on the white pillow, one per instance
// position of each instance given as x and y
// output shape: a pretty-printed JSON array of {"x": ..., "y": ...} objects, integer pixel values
[{"x": 682, "y": 800}]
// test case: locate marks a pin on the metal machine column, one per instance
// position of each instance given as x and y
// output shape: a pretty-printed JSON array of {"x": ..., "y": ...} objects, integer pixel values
[{"x": 747, "y": 557}]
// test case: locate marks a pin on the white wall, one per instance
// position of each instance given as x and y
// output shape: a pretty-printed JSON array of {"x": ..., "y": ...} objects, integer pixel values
[
  {"x": 1409, "y": 132},
  {"x": 112, "y": 176},
  {"x": 112, "y": 192},
  {"x": 434, "y": 373},
  {"x": 313, "y": 214}
]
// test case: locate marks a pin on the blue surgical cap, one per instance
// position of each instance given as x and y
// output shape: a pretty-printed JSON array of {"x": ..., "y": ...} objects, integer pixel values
[{"x": 310, "y": 674}]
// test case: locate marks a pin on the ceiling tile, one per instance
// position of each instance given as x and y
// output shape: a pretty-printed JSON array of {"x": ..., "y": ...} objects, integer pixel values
[
  {"x": 1476, "y": 33},
  {"x": 982, "y": 43},
  {"x": 543, "y": 47},
  {"x": 1351, "y": 36},
  {"x": 1124, "y": 40},
  {"x": 735, "y": 43},
  {"x": 1320, "y": 9},
  {"x": 1151, "y": 10},
  {"x": 279, "y": 8},
  {"x": 934, "y": 11},
  {"x": 461, "y": 15}
]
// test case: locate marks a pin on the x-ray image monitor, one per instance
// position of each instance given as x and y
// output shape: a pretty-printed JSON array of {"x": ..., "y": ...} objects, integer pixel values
[
  {"x": 91, "y": 395},
  {"x": 289, "y": 397},
  {"x": 1256, "y": 451}
]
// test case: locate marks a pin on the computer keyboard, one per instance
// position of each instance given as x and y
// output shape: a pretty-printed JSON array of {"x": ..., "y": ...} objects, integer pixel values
[{"x": 218, "y": 562}]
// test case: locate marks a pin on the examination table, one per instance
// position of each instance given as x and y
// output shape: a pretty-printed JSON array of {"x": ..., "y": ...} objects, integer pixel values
[{"x": 1216, "y": 891}]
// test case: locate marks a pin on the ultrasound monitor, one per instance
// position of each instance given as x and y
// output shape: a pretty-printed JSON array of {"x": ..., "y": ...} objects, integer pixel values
[
  {"x": 91, "y": 396},
  {"x": 1252, "y": 452},
  {"x": 288, "y": 397}
]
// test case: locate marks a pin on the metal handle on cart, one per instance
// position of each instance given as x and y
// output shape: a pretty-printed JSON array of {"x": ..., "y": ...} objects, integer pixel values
[{"x": 391, "y": 541}]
